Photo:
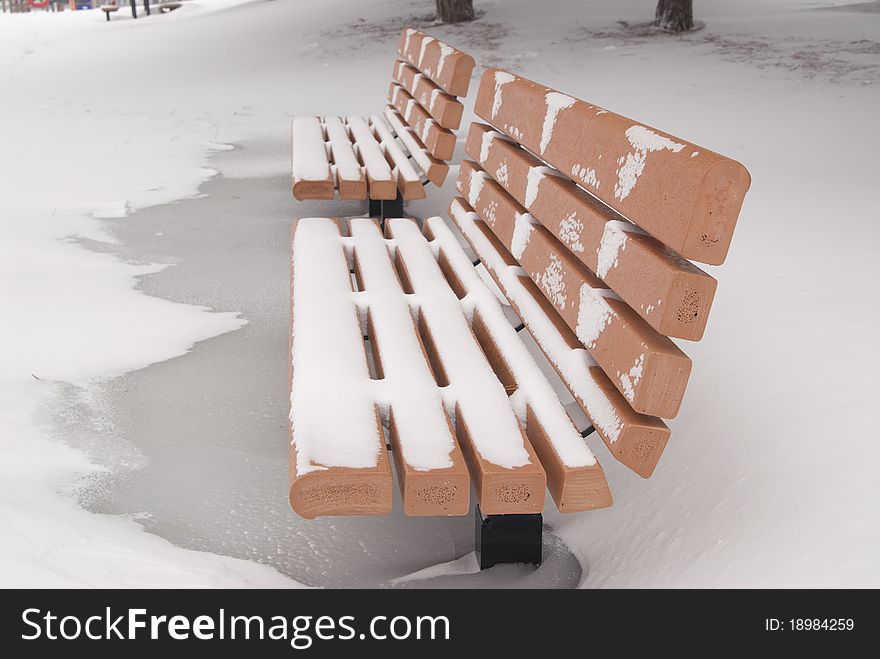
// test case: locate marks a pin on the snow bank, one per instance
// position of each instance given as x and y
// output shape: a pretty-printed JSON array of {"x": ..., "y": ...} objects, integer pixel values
[{"x": 72, "y": 315}]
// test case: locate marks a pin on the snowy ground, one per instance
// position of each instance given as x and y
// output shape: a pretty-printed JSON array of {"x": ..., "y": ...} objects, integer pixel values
[{"x": 768, "y": 479}]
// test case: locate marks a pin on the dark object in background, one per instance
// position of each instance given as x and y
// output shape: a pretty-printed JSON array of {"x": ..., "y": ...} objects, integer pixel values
[
  {"x": 674, "y": 15},
  {"x": 455, "y": 11}
]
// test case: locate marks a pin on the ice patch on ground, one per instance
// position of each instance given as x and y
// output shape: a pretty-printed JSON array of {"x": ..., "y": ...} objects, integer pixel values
[{"x": 467, "y": 564}]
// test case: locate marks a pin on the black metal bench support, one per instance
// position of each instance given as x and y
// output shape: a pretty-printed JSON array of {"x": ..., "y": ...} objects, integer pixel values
[
  {"x": 382, "y": 209},
  {"x": 134, "y": 11},
  {"x": 508, "y": 538}
]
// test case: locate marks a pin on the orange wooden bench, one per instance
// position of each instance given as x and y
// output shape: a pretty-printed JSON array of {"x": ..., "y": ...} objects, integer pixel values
[
  {"x": 388, "y": 157},
  {"x": 575, "y": 224}
]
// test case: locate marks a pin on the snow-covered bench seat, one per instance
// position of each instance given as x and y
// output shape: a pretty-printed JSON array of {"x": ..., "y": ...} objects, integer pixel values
[
  {"x": 397, "y": 151},
  {"x": 397, "y": 339},
  {"x": 586, "y": 219}
]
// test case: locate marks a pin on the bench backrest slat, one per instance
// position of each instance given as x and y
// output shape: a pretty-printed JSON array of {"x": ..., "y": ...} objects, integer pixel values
[
  {"x": 449, "y": 67},
  {"x": 444, "y": 108},
  {"x": 668, "y": 292},
  {"x": 439, "y": 141},
  {"x": 685, "y": 195},
  {"x": 424, "y": 84}
]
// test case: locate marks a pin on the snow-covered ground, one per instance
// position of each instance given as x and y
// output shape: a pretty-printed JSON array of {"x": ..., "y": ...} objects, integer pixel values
[{"x": 768, "y": 479}]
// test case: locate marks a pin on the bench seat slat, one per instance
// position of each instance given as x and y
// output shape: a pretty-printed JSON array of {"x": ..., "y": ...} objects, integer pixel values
[
  {"x": 338, "y": 462},
  {"x": 670, "y": 293},
  {"x": 409, "y": 181},
  {"x": 636, "y": 440},
  {"x": 350, "y": 179},
  {"x": 430, "y": 465},
  {"x": 507, "y": 474},
  {"x": 312, "y": 178},
  {"x": 685, "y": 195},
  {"x": 381, "y": 182},
  {"x": 574, "y": 477},
  {"x": 645, "y": 366},
  {"x": 443, "y": 107}
]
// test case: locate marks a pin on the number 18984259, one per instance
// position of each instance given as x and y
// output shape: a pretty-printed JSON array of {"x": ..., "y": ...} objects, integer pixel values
[{"x": 810, "y": 624}]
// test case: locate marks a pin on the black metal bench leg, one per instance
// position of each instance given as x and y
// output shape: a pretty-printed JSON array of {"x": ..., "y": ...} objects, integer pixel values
[
  {"x": 508, "y": 539},
  {"x": 392, "y": 207},
  {"x": 382, "y": 209}
]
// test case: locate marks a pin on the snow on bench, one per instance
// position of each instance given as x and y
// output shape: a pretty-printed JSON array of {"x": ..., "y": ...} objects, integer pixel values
[
  {"x": 600, "y": 287},
  {"x": 670, "y": 293},
  {"x": 685, "y": 195},
  {"x": 350, "y": 179},
  {"x": 445, "y": 108},
  {"x": 338, "y": 454},
  {"x": 312, "y": 177},
  {"x": 435, "y": 170},
  {"x": 409, "y": 179},
  {"x": 615, "y": 335},
  {"x": 398, "y": 151},
  {"x": 443, "y": 376},
  {"x": 636, "y": 440},
  {"x": 574, "y": 477},
  {"x": 381, "y": 179},
  {"x": 438, "y": 141},
  {"x": 449, "y": 68}
]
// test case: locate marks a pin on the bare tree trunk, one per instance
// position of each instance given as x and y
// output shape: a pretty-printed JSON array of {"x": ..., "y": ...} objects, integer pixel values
[
  {"x": 455, "y": 11},
  {"x": 674, "y": 15}
]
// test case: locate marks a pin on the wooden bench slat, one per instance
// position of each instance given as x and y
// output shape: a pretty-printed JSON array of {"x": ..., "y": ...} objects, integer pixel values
[
  {"x": 439, "y": 141},
  {"x": 381, "y": 183},
  {"x": 430, "y": 466},
  {"x": 312, "y": 178},
  {"x": 685, "y": 195},
  {"x": 443, "y": 107},
  {"x": 409, "y": 181},
  {"x": 350, "y": 179},
  {"x": 338, "y": 463},
  {"x": 507, "y": 474},
  {"x": 645, "y": 366},
  {"x": 636, "y": 440},
  {"x": 670, "y": 293},
  {"x": 450, "y": 68},
  {"x": 435, "y": 170},
  {"x": 574, "y": 477}
]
